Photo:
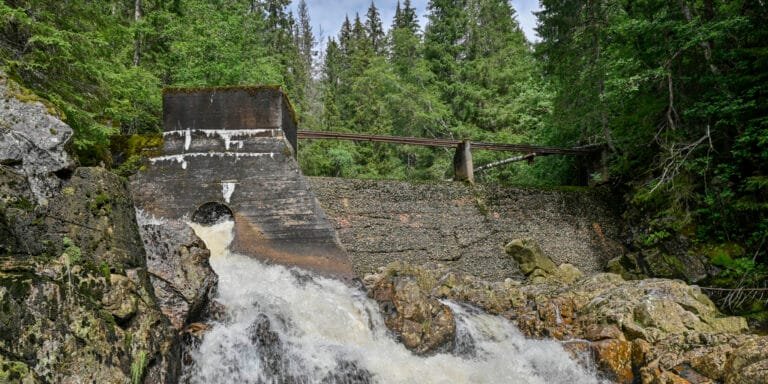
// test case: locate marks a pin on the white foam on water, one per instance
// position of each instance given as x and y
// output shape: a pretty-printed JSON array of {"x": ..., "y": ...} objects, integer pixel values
[
  {"x": 322, "y": 327},
  {"x": 145, "y": 218}
]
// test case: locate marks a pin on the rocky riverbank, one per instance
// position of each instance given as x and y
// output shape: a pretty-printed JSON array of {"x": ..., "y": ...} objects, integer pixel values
[
  {"x": 80, "y": 301},
  {"x": 640, "y": 331}
]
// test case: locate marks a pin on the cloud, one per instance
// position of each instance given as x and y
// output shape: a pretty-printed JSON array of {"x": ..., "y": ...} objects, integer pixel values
[{"x": 328, "y": 15}]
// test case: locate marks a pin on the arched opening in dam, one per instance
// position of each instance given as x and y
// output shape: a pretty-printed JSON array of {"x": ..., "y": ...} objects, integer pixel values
[{"x": 211, "y": 213}]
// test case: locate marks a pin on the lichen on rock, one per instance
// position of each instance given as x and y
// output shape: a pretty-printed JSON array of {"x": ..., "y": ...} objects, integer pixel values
[
  {"x": 629, "y": 327},
  {"x": 77, "y": 303},
  {"x": 177, "y": 262}
]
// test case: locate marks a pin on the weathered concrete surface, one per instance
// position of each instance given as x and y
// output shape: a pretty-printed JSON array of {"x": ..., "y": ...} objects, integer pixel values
[
  {"x": 234, "y": 146},
  {"x": 465, "y": 228}
]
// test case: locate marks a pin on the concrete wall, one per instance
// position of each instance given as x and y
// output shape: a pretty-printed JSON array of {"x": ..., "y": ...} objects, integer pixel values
[
  {"x": 229, "y": 146},
  {"x": 466, "y": 227}
]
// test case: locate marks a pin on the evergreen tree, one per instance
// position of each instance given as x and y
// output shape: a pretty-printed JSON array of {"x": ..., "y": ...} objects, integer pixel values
[
  {"x": 446, "y": 29},
  {"x": 673, "y": 89},
  {"x": 345, "y": 36},
  {"x": 405, "y": 43},
  {"x": 408, "y": 18},
  {"x": 374, "y": 30},
  {"x": 305, "y": 37}
]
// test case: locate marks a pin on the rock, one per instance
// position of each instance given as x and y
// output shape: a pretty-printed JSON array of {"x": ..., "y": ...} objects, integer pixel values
[
  {"x": 77, "y": 303},
  {"x": 121, "y": 301},
  {"x": 615, "y": 359},
  {"x": 748, "y": 363},
  {"x": 629, "y": 326},
  {"x": 627, "y": 266},
  {"x": 670, "y": 378},
  {"x": 32, "y": 140},
  {"x": 597, "y": 332},
  {"x": 177, "y": 262},
  {"x": 568, "y": 273},
  {"x": 651, "y": 308},
  {"x": 98, "y": 212},
  {"x": 530, "y": 257},
  {"x": 423, "y": 323}
]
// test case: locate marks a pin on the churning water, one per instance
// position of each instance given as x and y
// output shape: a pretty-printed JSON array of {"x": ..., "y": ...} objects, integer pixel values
[{"x": 288, "y": 326}]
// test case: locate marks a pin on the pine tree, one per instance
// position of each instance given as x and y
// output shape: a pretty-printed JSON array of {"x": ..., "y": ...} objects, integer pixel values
[
  {"x": 446, "y": 29},
  {"x": 374, "y": 30},
  {"x": 345, "y": 36},
  {"x": 408, "y": 18},
  {"x": 306, "y": 39},
  {"x": 405, "y": 43}
]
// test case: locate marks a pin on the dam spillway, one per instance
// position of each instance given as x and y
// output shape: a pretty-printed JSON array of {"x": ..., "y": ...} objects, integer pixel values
[{"x": 231, "y": 152}]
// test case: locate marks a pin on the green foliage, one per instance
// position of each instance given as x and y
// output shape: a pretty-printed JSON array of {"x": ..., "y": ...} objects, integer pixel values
[
  {"x": 103, "y": 68},
  {"x": 677, "y": 91},
  {"x": 72, "y": 253},
  {"x": 437, "y": 85},
  {"x": 655, "y": 237},
  {"x": 100, "y": 202},
  {"x": 138, "y": 365}
]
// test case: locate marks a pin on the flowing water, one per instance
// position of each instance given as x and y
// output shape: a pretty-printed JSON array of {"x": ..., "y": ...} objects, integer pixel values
[{"x": 288, "y": 326}]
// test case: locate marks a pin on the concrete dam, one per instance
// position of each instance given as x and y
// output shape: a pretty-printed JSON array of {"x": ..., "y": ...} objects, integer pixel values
[{"x": 232, "y": 152}]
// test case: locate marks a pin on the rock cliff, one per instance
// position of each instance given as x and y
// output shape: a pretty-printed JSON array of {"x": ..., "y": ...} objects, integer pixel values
[{"x": 76, "y": 298}]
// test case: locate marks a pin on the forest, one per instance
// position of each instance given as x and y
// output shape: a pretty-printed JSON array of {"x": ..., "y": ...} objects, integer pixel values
[{"x": 675, "y": 90}]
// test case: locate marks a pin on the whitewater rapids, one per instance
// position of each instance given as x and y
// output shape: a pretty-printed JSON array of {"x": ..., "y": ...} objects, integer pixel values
[{"x": 289, "y": 326}]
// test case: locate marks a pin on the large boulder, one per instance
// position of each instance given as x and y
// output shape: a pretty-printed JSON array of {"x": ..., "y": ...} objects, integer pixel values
[
  {"x": 423, "y": 323},
  {"x": 530, "y": 258},
  {"x": 77, "y": 303},
  {"x": 177, "y": 262},
  {"x": 32, "y": 139}
]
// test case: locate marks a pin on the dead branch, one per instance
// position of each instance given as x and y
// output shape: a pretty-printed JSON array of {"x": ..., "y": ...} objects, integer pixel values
[
  {"x": 529, "y": 157},
  {"x": 678, "y": 154}
]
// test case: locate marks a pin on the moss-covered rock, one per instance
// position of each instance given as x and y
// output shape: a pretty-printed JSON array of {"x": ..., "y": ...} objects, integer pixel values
[
  {"x": 76, "y": 303},
  {"x": 530, "y": 258},
  {"x": 629, "y": 326}
]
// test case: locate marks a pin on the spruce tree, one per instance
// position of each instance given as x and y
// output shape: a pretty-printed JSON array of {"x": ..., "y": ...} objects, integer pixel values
[{"x": 374, "y": 30}]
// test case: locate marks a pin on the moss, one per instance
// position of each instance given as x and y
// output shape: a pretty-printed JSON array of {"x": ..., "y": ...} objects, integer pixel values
[
  {"x": 72, "y": 252},
  {"x": 17, "y": 284},
  {"x": 127, "y": 340},
  {"x": 14, "y": 371},
  {"x": 138, "y": 366},
  {"x": 426, "y": 326},
  {"x": 105, "y": 272},
  {"x": 481, "y": 203},
  {"x": 25, "y": 95},
  {"x": 100, "y": 204},
  {"x": 109, "y": 320},
  {"x": 22, "y": 203}
]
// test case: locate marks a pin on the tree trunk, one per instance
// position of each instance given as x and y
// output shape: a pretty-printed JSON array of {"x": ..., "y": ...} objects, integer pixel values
[{"x": 137, "y": 40}]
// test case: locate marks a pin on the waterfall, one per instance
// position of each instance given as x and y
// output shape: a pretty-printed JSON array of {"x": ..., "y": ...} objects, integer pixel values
[{"x": 284, "y": 325}]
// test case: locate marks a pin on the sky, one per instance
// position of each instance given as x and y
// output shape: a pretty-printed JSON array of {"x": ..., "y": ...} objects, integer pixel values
[{"x": 327, "y": 15}]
